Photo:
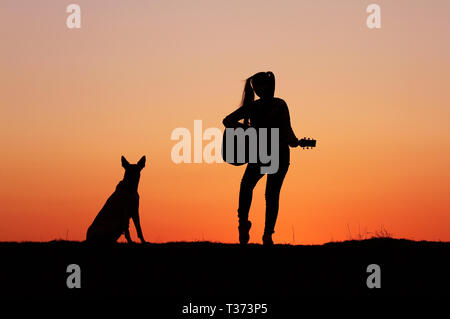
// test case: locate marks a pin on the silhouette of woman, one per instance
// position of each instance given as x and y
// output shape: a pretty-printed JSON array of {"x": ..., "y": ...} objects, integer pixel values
[{"x": 266, "y": 112}]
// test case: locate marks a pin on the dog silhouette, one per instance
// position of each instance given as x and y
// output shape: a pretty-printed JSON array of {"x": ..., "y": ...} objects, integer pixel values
[{"x": 113, "y": 220}]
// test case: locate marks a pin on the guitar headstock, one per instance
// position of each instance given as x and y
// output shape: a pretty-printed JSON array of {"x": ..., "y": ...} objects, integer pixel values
[{"x": 307, "y": 142}]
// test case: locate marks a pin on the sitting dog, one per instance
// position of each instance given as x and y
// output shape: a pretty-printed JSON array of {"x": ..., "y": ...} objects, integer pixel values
[{"x": 113, "y": 220}]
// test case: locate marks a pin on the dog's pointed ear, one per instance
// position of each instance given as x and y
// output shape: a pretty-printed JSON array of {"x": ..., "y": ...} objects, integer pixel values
[
  {"x": 141, "y": 162},
  {"x": 125, "y": 163}
]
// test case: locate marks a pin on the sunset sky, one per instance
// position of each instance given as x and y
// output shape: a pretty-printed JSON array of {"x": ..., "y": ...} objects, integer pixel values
[{"x": 74, "y": 100}]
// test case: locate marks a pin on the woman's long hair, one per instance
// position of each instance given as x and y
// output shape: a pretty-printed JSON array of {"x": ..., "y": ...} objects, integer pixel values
[{"x": 248, "y": 96}]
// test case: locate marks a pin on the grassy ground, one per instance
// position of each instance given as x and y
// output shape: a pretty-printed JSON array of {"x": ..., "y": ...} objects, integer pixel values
[{"x": 224, "y": 270}]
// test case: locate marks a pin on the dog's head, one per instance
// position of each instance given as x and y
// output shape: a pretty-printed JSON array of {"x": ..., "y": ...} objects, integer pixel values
[{"x": 133, "y": 171}]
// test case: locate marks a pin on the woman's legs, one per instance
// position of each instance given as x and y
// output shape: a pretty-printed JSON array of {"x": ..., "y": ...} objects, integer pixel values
[
  {"x": 251, "y": 176},
  {"x": 273, "y": 188}
]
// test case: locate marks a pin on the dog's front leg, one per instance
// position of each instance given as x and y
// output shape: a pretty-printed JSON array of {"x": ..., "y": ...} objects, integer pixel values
[
  {"x": 137, "y": 222},
  {"x": 127, "y": 236}
]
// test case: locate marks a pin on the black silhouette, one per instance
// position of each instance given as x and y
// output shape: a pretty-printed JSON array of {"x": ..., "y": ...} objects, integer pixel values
[
  {"x": 177, "y": 271},
  {"x": 266, "y": 112},
  {"x": 113, "y": 220}
]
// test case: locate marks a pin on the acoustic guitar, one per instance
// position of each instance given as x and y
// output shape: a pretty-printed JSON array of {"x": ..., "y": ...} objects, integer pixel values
[{"x": 303, "y": 143}]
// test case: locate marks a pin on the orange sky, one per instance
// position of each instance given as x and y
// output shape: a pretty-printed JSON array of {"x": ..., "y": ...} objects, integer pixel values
[{"x": 73, "y": 101}]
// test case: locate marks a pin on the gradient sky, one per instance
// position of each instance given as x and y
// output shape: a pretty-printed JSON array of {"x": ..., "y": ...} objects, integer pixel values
[{"x": 73, "y": 101}]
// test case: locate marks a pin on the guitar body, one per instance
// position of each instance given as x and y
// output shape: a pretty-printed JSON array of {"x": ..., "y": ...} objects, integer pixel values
[{"x": 236, "y": 150}]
